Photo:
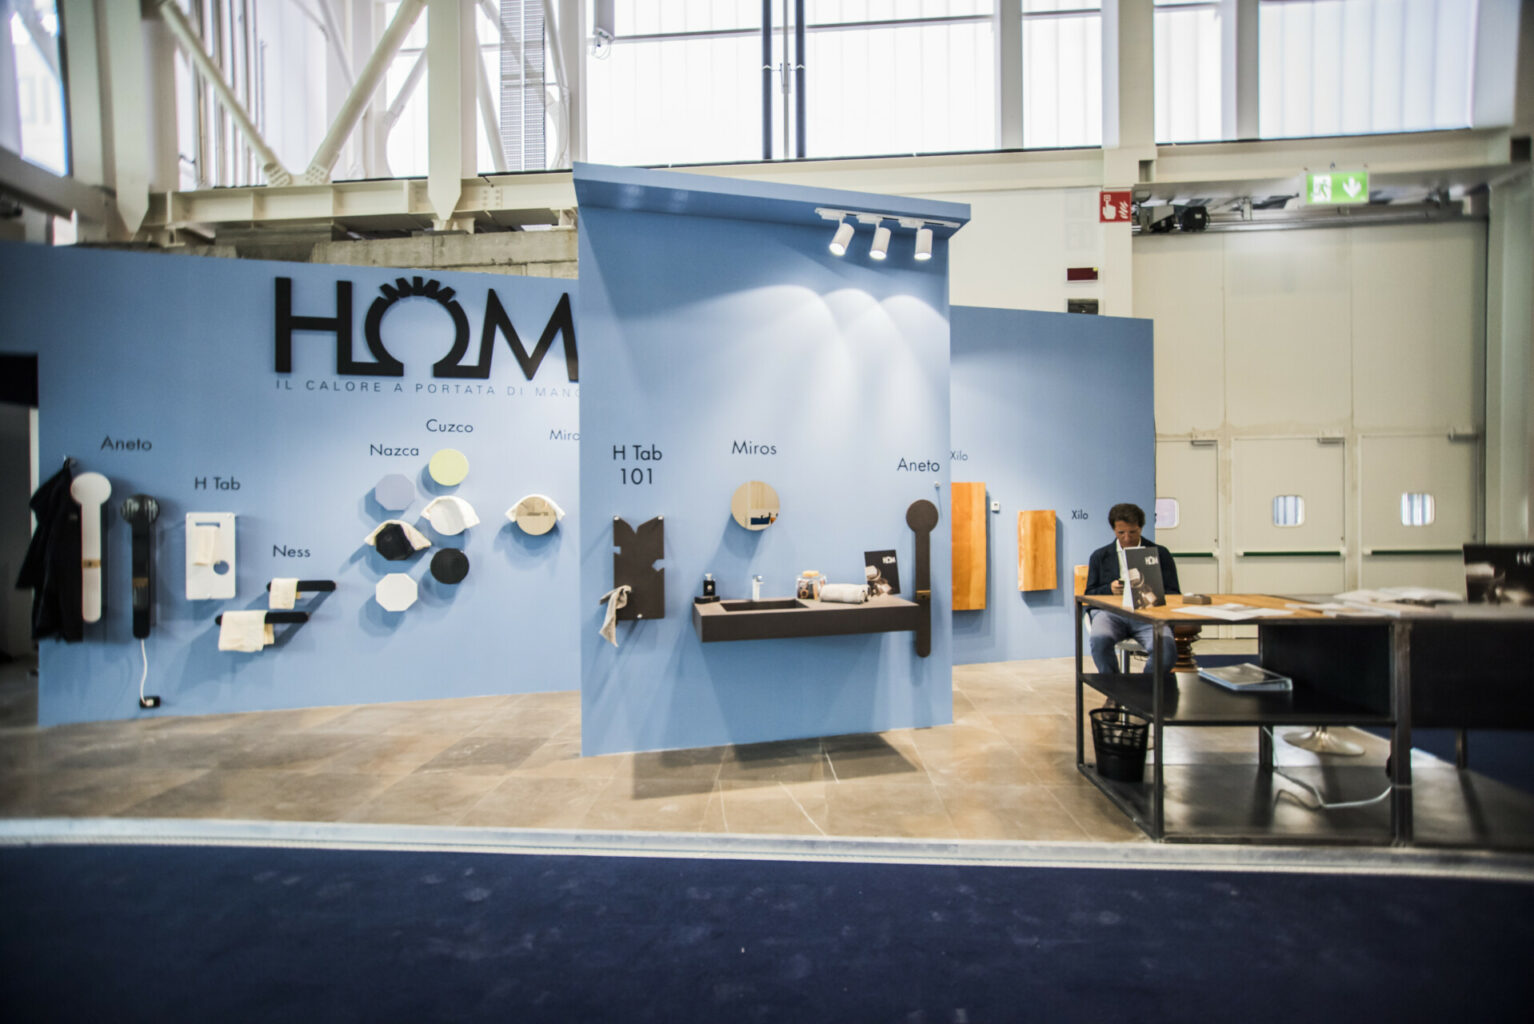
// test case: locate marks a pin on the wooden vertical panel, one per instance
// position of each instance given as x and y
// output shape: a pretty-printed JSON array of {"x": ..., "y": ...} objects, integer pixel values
[
  {"x": 969, "y": 548},
  {"x": 1036, "y": 549},
  {"x": 1081, "y": 579}
]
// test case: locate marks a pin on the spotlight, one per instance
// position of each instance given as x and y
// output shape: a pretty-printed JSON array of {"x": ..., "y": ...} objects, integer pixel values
[
  {"x": 881, "y": 244},
  {"x": 1193, "y": 218},
  {"x": 924, "y": 243},
  {"x": 842, "y": 237}
]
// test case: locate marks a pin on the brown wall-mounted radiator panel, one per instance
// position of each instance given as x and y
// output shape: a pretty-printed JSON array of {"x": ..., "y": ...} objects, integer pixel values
[
  {"x": 1036, "y": 549},
  {"x": 969, "y": 547}
]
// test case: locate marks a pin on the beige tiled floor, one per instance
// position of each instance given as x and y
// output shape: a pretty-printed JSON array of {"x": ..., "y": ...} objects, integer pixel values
[{"x": 1003, "y": 770}]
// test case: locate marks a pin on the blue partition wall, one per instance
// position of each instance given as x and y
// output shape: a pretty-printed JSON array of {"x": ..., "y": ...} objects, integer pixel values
[
  {"x": 1050, "y": 411},
  {"x": 161, "y": 372},
  {"x": 723, "y": 343}
]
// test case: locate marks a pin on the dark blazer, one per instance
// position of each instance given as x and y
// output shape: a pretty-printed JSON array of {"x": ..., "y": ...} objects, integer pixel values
[
  {"x": 51, "y": 568},
  {"x": 1103, "y": 568}
]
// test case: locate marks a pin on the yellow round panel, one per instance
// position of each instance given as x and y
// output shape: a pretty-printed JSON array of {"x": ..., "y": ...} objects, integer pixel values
[{"x": 448, "y": 467}]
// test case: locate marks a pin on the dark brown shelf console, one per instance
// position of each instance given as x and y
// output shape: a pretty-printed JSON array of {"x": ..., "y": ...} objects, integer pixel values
[
  {"x": 787, "y": 618},
  {"x": 1467, "y": 669}
]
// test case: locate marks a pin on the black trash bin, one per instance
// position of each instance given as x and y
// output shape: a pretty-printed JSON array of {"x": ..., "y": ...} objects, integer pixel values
[{"x": 1119, "y": 740}]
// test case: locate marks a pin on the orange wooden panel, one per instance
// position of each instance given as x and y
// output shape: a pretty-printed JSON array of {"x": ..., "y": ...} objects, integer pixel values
[
  {"x": 1036, "y": 549},
  {"x": 969, "y": 551},
  {"x": 1081, "y": 579}
]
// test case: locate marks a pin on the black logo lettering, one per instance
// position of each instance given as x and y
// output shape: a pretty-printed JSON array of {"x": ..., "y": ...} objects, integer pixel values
[{"x": 451, "y": 366}]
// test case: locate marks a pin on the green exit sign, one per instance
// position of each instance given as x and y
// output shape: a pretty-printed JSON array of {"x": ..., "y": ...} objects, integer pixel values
[{"x": 1337, "y": 187}]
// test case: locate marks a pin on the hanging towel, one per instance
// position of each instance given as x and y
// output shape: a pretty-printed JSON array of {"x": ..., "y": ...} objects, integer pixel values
[
  {"x": 283, "y": 593},
  {"x": 615, "y": 598},
  {"x": 244, "y": 631}
]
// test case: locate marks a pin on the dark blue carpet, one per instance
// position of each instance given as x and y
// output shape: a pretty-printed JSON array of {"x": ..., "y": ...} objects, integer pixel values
[{"x": 242, "y": 934}]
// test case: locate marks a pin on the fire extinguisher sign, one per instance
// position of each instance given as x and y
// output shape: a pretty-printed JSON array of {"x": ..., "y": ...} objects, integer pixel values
[{"x": 1114, "y": 206}]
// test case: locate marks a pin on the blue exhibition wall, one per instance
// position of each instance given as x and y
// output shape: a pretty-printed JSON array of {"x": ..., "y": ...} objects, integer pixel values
[
  {"x": 1050, "y": 411},
  {"x": 162, "y": 372},
  {"x": 723, "y": 343}
]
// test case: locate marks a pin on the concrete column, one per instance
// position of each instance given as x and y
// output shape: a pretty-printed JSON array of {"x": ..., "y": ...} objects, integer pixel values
[
  {"x": 127, "y": 108},
  {"x": 1510, "y": 362},
  {"x": 1129, "y": 132},
  {"x": 1510, "y": 313},
  {"x": 451, "y": 52}
]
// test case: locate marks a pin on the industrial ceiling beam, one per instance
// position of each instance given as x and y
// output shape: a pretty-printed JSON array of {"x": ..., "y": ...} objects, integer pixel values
[
  {"x": 43, "y": 190},
  {"x": 1449, "y": 158},
  {"x": 361, "y": 93},
  {"x": 186, "y": 36}
]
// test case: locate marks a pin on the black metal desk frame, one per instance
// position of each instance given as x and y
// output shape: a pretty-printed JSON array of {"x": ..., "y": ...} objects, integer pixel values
[{"x": 1157, "y": 697}]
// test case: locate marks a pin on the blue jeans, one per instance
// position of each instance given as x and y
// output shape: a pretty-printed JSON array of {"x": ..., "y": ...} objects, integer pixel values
[{"x": 1109, "y": 629}]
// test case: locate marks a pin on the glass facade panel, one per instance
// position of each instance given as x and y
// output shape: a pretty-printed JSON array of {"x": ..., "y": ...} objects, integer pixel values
[
  {"x": 1353, "y": 67},
  {"x": 1189, "y": 74},
  {"x": 1062, "y": 74},
  {"x": 31, "y": 86}
]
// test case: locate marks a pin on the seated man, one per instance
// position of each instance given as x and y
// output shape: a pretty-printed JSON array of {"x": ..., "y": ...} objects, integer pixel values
[{"x": 1105, "y": 575}]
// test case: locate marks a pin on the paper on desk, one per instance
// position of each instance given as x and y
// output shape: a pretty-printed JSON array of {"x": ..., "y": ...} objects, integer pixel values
[
  {"x": 1390, "y": 594},
  {"x": 1335, "y": 609},
  {"x": 1231, "y": 612}
]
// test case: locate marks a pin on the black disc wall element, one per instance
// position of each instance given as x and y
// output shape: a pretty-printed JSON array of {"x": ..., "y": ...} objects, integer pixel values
[{"x": 449, "y": 565}]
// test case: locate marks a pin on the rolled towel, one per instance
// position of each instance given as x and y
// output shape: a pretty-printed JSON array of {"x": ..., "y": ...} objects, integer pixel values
[
  {"x": 615, "y": 598},
  {"x": 243, "y": 631},
  {"x": 844, "y": 593},
  {"x": 282, "y": 594}
]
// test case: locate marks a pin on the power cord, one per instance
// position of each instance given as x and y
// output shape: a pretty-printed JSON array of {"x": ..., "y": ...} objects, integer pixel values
[
  {"x": 143, "y": 701},
  {"x": 1321, "y": 804}
]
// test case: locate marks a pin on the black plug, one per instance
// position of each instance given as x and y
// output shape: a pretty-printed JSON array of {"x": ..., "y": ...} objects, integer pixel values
[{"x": 149, "y": 702}]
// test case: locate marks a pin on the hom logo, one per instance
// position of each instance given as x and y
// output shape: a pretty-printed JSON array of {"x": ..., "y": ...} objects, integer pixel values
[{"x": 452, "y": 365}]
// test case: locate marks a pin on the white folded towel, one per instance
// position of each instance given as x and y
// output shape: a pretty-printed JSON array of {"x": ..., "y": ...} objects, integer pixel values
[
  {"x": 615, "y": 598},
  {"x": 418, "y": 540},
  {"x": 844, "y": 593},
  {"x": 244, "y": 631},
  {"x": 204, "y": 544},
  {"x": 450, "y": 515},
  {"x": 283, "y": 593},
  {"x": 536, "y": 513}
]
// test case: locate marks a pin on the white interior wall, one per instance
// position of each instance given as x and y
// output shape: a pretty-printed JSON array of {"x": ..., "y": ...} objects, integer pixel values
[
  {"x": 1344, "y": 365},
  {"x": 1014, "y": 253}
]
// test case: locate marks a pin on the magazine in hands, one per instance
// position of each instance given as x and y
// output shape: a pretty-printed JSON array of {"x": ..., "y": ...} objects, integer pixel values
[{"x": 1144, "y": 587}]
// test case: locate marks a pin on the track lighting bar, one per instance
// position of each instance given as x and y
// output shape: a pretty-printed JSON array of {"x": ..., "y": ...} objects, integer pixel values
[{"x": 879, "y": 248}]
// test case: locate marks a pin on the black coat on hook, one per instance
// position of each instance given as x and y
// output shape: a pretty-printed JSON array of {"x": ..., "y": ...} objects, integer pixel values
[{"x": 51, "y": 568}]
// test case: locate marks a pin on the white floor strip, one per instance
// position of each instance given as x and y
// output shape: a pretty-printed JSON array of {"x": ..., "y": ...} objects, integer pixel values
[{"x": 1476, "y": 864}]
